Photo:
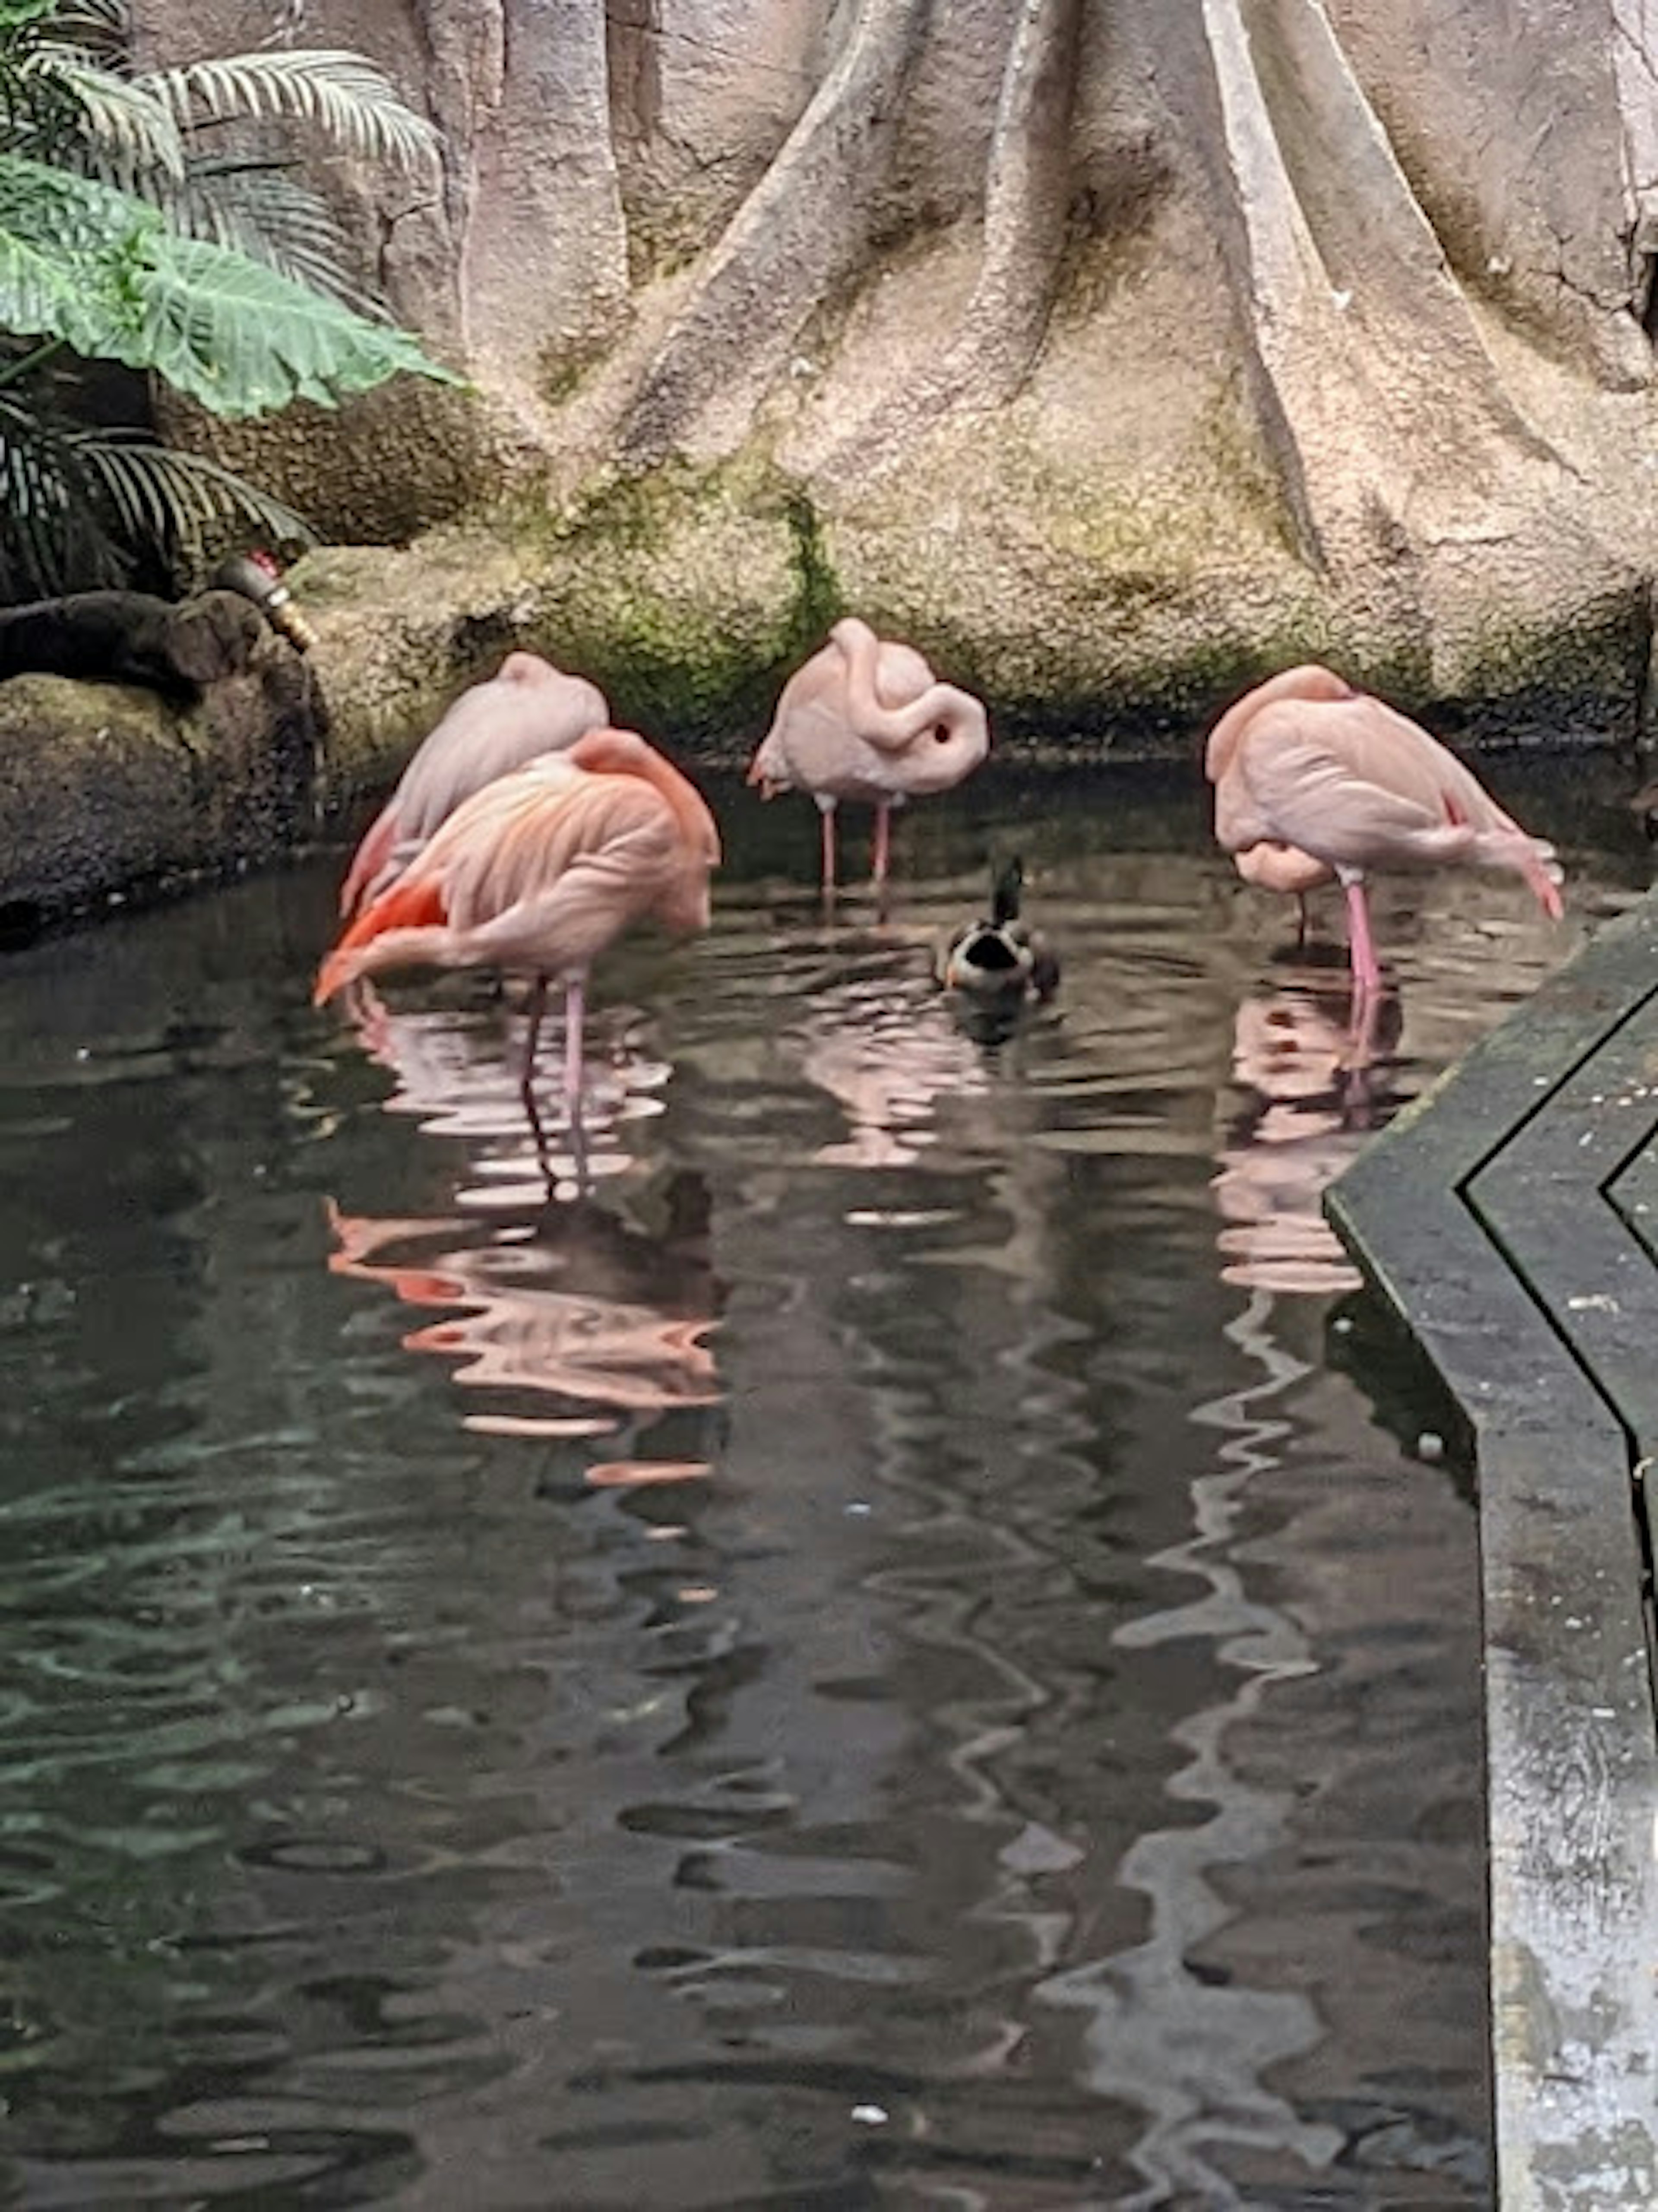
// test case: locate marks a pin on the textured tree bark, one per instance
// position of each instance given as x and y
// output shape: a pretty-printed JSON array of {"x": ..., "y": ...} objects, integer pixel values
[
  {"x": 801, "y": 232},
  {"x": 1027, "y": 183},
  {"x": 1321, "y": 321}
]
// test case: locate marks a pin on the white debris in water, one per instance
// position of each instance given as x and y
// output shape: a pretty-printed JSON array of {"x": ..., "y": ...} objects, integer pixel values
[
  {"x": 1430, "y": 1445},
  {"x": 871, "y": 2116}
]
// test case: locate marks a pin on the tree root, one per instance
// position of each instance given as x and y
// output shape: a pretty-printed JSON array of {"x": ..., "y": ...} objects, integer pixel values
[
  {"x": 1026, "y": 209},
  {"x": 801, "y": 234}
]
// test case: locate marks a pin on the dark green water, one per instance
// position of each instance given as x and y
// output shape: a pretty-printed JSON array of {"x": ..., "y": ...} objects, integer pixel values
[{"x": 903, "y": 1651}]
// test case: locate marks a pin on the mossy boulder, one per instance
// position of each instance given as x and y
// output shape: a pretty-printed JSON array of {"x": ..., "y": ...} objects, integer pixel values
[{"x": 107, "y": 787}]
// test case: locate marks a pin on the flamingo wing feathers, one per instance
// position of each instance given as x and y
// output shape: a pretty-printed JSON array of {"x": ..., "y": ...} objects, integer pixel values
[
  {"x": 528, "y": 708},
  {"x": 1356, "y": 786},
  {"x": 540, "y": 871}
]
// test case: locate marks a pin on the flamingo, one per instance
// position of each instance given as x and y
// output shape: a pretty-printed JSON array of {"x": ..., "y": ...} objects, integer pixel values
[
  {"x": 1268, "y": 866},
  {"x": 866, "y": 719},
  {"x": 527, "y": 707},
  {"x": 1314, "y": 779},
  {"x": 536, "y": 873}
]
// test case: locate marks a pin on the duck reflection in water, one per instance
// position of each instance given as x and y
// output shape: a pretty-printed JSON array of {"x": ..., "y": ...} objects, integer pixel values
[
  {"x": 887, "y": 1052},
  {"x": 1312, "y": 1093},
  {"x": 577, "y": 1322}
]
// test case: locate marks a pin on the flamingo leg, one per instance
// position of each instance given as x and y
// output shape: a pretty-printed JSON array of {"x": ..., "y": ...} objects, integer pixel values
[
  {"x": 579, "y": 1150},
  {"x": 534, "y": 1006},
  {"x": 883, "y": 843},
  {"x": 575, "y": 1007},
  {"x": 1303, "y": 922},
  {"x": 826, "y": 816},
  {"x": 538, "y": 1138},
  {"x": 1361, "y": 947}
]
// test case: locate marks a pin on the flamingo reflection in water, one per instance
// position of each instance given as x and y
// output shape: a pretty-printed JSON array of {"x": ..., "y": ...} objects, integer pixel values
[
  {"x": 578, "y": 1323},
  {"x": 886, "y": 1049},
  {"x": 450, "y": 1075},
  {"x": 578, "y": 1319},
  {"x": 1313, "y": 1093}
]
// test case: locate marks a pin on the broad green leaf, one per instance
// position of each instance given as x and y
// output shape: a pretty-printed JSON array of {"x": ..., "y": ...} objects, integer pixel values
[
  {"x": 86, "y": 263},
  {"x": 244, "y": 340},
  {"x": 71, "y": 252}
]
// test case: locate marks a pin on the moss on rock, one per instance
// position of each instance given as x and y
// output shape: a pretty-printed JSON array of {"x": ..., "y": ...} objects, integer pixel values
[{"x": 104, "y": 787}]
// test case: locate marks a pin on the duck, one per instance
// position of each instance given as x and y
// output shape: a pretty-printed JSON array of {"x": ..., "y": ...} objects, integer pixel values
[{"x": 1000, "y": 958}]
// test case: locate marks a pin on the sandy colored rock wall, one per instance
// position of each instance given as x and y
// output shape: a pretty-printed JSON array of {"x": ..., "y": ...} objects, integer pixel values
[{"x": 1113, "y": 352}]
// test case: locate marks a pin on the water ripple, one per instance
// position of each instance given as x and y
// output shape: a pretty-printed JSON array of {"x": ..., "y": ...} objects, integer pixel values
[{"x": 859, "y": 1649}]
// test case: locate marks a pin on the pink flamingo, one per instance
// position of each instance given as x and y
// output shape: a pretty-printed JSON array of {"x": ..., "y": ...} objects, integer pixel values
[
  {"x": 526, "y": 707},
  {"x": 537, "y": 872},
  {"x": 1314, "y": 779},
  {"x": 866, "y": 719}
]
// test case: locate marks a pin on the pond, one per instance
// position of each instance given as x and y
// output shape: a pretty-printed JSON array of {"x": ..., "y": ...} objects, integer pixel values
[{"x": 916, "y": 1645}]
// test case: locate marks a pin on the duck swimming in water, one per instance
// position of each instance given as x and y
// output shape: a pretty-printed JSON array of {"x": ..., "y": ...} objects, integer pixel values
[{"x": 1000, "y": 958}]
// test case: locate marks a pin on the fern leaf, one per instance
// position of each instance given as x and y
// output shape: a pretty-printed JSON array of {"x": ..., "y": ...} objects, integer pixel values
[
  {"x": 52, "y": 535},
  {"x": 101, "y": 29},
  {"x": 184, "y": 501},
  {"x": 342, "y": 96},
  {"x": 129, "y": 132},
  {"x": 262, "y": 210}
]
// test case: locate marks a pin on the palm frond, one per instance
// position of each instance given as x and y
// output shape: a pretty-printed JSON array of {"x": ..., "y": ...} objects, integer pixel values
[
  {"x": 183, "y": 501},
  {"x": 52, "y": 534},
  {"x": 342, "y": 96},
  {"x": 262, "y": 208},
  {"x": 38, "y": 115},
  {"x": 129, "y": 134},
  {"x": 99, "y": 29}
]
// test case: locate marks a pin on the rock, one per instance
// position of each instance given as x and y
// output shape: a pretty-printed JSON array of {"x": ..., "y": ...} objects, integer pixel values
[
  {"x": 1116, "y": 354},
  {"x": 110, "y": 787}
]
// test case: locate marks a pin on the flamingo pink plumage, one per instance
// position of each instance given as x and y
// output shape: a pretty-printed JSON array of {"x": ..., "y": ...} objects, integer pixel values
[
  {"x": 538, "y": 872},
  {"x": 526, "y": 707},
  {"x": 1314, "y": 779},
  {"x": 866, "y": 719}
]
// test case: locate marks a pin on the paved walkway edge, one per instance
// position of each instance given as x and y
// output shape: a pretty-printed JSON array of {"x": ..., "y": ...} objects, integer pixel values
[{"x": 1503, "y": 1217}]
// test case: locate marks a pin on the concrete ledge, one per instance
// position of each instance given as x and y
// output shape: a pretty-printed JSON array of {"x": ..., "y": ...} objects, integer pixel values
[{"x": 1496, "y": 1217}]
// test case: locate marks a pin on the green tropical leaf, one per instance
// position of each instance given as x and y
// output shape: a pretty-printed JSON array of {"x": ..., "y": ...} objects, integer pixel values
[
  {"x": 52, "y": 535},
  {"x": 244, "y": 340},
  {"x": 263, "y": 209},
  {"x": 87, "y": 264},
  {"x": 180, "y": 499},
  {"x": 101, "y": 29},
  {"x": 129, "y": 133},
  {"x": 71, "y": 252},
  {"x": 226, "y": 275}
]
